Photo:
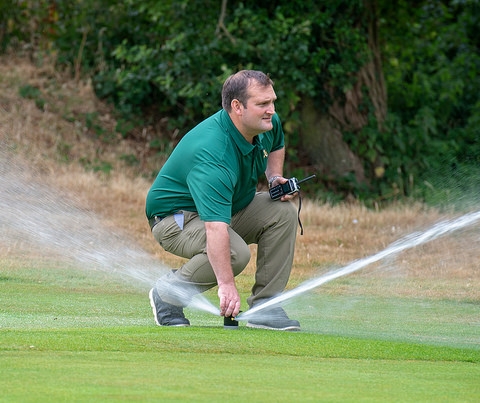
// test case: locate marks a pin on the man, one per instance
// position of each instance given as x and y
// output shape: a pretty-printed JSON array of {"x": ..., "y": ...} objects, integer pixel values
[{"x": 203, "y": 206}]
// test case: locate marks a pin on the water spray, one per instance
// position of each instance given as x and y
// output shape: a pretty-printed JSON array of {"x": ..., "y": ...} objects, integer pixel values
[
  {"x": 37, "y": 217},
  {"x": 34, "y": 214},
  {"x": 414, "y": 239}
]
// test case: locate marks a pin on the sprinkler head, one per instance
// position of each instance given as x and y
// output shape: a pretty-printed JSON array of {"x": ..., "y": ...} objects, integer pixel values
[{"x": 230, "y": 323}]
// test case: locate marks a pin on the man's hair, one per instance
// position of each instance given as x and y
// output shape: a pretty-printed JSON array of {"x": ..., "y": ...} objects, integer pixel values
[{"x": 236, "y": 86}]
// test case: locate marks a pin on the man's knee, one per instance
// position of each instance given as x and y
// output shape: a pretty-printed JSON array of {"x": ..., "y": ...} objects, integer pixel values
[
  {"x": 240, "y": 256},
  {"x": 287, "y": 212}
]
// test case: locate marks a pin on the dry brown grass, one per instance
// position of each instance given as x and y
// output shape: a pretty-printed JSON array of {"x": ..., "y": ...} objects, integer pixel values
[{"x": 334, "y": 235}]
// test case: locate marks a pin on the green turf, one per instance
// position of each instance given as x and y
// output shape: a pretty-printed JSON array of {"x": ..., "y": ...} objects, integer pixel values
[{"x": 75, "y": 336}]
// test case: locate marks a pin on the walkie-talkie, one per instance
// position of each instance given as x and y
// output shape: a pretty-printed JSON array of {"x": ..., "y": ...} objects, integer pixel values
[{"x": 287, "y": 188}]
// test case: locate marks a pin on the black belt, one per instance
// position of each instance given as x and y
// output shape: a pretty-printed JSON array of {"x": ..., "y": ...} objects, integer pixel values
[{"x": 154, "y": 221}]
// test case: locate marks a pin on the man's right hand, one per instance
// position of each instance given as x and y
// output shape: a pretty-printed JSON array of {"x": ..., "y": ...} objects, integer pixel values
[{"x": 229, "y": 300}]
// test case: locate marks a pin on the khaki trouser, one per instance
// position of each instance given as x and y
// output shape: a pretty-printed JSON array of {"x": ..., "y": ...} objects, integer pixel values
[{"x": 272, "y": 225}]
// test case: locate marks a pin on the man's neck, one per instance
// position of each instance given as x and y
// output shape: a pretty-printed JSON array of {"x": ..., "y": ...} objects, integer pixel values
[{"x": 247, "y": 136}]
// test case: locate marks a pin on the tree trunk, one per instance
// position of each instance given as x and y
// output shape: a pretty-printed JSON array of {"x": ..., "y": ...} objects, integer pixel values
[
  {"x": 323, "y": 144},
  {"x": 321, "y": 134}
]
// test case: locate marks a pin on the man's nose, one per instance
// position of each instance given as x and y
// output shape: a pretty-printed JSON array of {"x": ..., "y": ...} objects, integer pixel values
[{"x": 271, "y": 110}]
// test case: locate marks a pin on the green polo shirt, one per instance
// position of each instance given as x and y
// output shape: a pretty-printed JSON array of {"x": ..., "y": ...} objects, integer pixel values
[{"x": 213, "y": 170}]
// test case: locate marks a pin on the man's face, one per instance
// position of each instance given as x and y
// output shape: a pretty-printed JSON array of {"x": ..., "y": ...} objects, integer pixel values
[{"x": 257, "y": 114}]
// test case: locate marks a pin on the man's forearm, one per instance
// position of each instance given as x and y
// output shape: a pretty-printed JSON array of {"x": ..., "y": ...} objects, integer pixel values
[
  {"x": 218, "y": 251},
  {"x": 275, "y": 164}
]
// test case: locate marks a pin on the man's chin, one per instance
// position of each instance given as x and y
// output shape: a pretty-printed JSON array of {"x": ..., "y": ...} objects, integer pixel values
[{"x": 267, "y": 125}]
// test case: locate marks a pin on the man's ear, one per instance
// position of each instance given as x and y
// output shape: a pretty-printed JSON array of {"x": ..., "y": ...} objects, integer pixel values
[{"x": 237, "y": 107}]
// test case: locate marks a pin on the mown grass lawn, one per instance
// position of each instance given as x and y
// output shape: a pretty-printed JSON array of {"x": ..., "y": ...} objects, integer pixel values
[{"x": 73, "y": 336}]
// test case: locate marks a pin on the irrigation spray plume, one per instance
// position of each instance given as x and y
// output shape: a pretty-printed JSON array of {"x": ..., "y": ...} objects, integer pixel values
[
  {"x": 36, "y": 217},
  {"x": 414, "y": 239}
]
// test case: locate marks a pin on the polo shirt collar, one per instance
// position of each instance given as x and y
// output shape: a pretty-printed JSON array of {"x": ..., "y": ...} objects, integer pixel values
[{"x": 243, "y": 145}]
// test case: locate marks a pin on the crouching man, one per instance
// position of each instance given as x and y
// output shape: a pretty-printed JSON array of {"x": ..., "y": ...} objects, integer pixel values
[{"x": 204, "y": 206}]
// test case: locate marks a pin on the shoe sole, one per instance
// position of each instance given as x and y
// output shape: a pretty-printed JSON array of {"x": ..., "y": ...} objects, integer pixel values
[
  {"x": 154, "y": 310},
  {"x": 285, "y": 329}
]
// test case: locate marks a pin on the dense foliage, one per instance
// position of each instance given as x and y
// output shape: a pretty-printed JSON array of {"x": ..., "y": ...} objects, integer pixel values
[
  {"x": 164, "y": 62},
  {"x": 432, "y": 65}
]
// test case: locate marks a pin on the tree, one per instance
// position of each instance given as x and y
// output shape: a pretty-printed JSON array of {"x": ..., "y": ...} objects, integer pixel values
[
  {"x": 313, "y": 52},
  {"x": 350, "y": 106},
  {"x": 333, "y": 63}
]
